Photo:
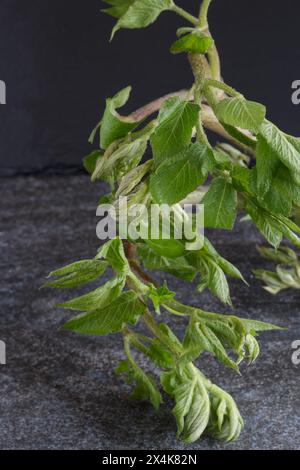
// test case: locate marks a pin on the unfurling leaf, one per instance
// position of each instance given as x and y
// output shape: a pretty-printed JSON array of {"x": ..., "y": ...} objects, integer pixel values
[
  {"x": 225, "y": 421},
  {"x": 192, "y": 409}
]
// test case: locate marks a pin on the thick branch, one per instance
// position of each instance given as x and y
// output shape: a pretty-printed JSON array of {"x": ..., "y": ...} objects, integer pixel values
[{"x": 155, "y": 105}]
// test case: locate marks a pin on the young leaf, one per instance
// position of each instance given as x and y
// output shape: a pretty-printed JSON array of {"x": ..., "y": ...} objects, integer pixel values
[
  {"x": 77, "y": 274},
  {"x": 146, "y": 388},
  {"x": 160, "y": 355},
  {"x": 113, "y": 252},
  {"x": 238, "y": 112},
  {"x": 264, "y": 224},
  {"x": 141, "y": 13},
  {"x": 225, "y": 421},
  {"x": 275, "y": 186},
  {"x": 196, "y": 42},
  {"x": 218, "y": 284},
  {"x": 285, "y": 147},
  {"x": 133, "y": 178},
  {"x": 111, "y": 167},
  {"x": 220, "y": 204},
  {"x": 127, "y": 308},
  {"x": 113, "y": 126},
  {"x": 98, "y": 298},
  {"x": 279, "y": 198},
  {"x": 159, "y": 295},
  {"x": 169, "y": 248},
  {"x": 199, "y": 336},
  {"x": 284, "y": 255},
  {"x": 178, "y": 267},
  {"x": 259, "y": 326},
  {"x": 176, "y": 121},
  {"x": 180, "y": 175},
  {"x": 118, "y": 8},
  {"x": 192, "y": 408}
]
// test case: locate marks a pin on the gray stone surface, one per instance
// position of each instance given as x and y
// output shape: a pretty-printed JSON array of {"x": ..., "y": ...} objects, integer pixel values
[{"x": 59, "y": 391}]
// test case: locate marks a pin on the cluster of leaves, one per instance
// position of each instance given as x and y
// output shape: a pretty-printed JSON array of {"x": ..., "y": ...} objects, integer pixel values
[
  {"x": 287, "y": 273},
  {"x": 121, "y": 302},
  {"x": 182, "y": 160}
]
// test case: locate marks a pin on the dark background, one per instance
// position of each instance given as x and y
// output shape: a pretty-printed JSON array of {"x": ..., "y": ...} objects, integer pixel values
[{"x": 59, "y": 67}]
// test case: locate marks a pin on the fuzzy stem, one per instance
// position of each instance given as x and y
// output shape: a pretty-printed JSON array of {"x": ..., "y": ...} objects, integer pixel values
[
  {"x": 203, "y": 13},
  {"x": 214, "y": 62},
  {"x": 180, "y": 11},
  {"x": 198, "y": 64},
  {"x": 222, "y": 86}
]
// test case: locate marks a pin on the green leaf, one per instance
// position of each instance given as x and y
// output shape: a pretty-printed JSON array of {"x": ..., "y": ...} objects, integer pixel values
[
  {"x": 142, "y": 13},
  {"x": 168, "y": 248},
  {"x": 113, "y": 126},
  {"x": 238, "y": 112},
  {"x": 196, "y": 42},
  {"x": 279, "y": 198},
  {"x": 224, "y": 264},
  {"x": 218, "y": 284},
  {"x": 160, "y": 355},
  {"x": 209, "y": 264},
  {"x": 127, "y": 308},
  {"x": 180, "y": 175},
  {"x": 284, "y": 255},
  {"x": 240, "y": 136},
  {"x": 259, "y": 326},
  {"x": 264, "y": 224},
  {"x": 77, "y": 274},
  {"x": 285, "y": 147},
  {"x": 98, "y": 298},
  {"x": 192, "y": 408},
  {"x": 176, "y": 121},
  {"x": 178, "y": 267},
  {"x": 273, "y": 226},
  {"x": 276, "y": 189},
  {"x": 118, "y": 8},
  {"x": 220, "y": 204},
  {"x": 113, "y": 252}
]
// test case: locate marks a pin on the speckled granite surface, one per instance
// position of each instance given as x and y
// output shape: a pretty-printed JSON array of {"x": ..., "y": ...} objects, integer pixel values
[{"x": 58, "y": 390}]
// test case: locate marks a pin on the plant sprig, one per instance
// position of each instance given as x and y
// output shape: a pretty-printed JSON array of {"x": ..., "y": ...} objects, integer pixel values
[{"x": 174, "y": 127}]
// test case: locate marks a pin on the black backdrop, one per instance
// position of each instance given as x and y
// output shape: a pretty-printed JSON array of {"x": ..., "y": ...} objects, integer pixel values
[{"x": 59, "y": 66}]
